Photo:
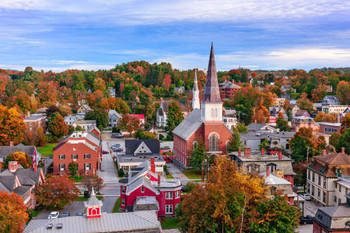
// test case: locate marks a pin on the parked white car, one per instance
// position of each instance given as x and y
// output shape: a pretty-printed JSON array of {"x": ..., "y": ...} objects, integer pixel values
[
  {"x": 306, "y": 196},
  {"x": 53, "y": 215}
]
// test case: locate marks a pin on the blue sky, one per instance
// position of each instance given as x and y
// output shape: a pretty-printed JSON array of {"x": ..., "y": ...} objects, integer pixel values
[{"x": 98, "y": 34}]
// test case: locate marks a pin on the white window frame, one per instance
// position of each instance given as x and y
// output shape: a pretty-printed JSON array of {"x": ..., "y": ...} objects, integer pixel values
[
  {"x": 142, "y": 189},
  {"x": 169, "y": 209},
  {"x": 62, "y": 157},
  {"x": 169, "y": 195},
  {"x": 87, "y": 165},
  {"x": 122, "y": 202},
  {"x": 62, "y": 165},
  {"x": 177, "y": 194},
  {"x": 74, "y": 156},
  {"x": 123, "y": 190},
  {"x": 87, "y": 155}
]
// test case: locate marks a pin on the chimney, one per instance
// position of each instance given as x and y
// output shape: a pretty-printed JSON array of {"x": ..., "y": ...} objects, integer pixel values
[
  {"x": 158, "y": 179},
  {"x": 153, "y": 166},
  {"x": 247, "y": 152},
  {"x": 324, "y": 152},
  {"x": 35, "y": 167},
  {"x": 13, "y": 165},
  {"x": 11, "y": 143},
  {"x": 233, "y": 81},
  {"x": 239, "y": 151},
  {"x": 267, "y": 171},
  {"x": 280, "y": 155},
  {"x": 343, "y": 150},
  {"x": 262, "y": 151}
]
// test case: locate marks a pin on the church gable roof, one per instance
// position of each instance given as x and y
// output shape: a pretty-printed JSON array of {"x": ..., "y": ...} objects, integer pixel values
[{"x": 189, "y": 125}]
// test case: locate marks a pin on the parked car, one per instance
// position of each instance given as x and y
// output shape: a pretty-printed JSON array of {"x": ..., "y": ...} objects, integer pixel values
[
  {"x": 118, "y": 149},
  {"x": 53, "y": 215},
  {"x": 79, "y": 214},
  {"x": 118, "y": 135},
  {"x": 115, "y": 146},
  {"x": 105, "y": 152},
  {"x": 306, "y": 220},
  {"x": 306, "y": 196},
  {"x": 65, "y": 214},
  {"x": 120, "y": 153}
]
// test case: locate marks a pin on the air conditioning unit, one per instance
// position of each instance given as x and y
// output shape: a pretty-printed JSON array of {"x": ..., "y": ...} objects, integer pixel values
[
  {"x": 62, "y": 169},
  {"x": 74, "y": 160},
  {"x": 87, "y": 168}
]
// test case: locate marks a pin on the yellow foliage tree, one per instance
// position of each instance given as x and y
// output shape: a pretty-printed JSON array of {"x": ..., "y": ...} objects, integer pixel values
[{"x": 12, "y": 126}]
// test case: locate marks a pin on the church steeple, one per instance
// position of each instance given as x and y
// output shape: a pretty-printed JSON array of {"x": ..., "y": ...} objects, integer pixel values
[
  {"x": 211, "y": 110},
  {"x": 195, "y": 90},
  {"x": 211, "y": 90}
]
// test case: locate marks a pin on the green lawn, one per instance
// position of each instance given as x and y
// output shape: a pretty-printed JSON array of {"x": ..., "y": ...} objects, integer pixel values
[
  {"x": 169, "y": 176},
  {"x": 169, "y": 223},
  {"x": 77, "y": 179},
  {"x": 47, "y": 149},
  {"x": 192, "y": 175},
  {"x": 117, "y": 206},
  {"x": 82, "y": 198}
]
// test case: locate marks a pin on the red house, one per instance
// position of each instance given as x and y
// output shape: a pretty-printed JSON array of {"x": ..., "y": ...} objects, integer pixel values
[
  {"x": 146, "y": 190},
  {"x": 83, "y": 148},
  {"x": 205, "y": 124},
  {"x": 228, "y": 89}
]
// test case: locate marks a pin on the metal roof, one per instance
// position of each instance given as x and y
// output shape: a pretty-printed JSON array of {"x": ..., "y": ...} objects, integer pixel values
[
  {"x": 189, "y": 125},
  {"x": 112, "y": 222}
]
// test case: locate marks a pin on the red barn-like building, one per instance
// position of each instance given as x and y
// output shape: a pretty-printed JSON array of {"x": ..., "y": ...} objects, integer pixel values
[
  {"x": 204, "y": 124},
  {"x": 83, "y": 148},
  {"x": 146, "y": 190}
]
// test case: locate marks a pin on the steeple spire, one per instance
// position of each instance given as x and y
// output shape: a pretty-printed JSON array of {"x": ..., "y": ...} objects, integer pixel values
[
  {"x": 195, "y": 90},
  {"x": 211, "y": 90}
]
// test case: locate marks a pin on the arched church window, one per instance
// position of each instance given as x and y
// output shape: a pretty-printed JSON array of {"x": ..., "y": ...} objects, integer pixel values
[
  {"x": 195, "y": 144},
  {"x": 213, "y": 142}
]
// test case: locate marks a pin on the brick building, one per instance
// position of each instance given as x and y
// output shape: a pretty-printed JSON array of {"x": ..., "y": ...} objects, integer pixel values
[
  {"x": 33, "y": 123},
  {"x": 228, "y": 89},
  {"x": 328, "y": 127},
  {"x": 322, "y": 176},
  {"x": 22, "y": 181},
  {"x": 203, "y": 124},
  {"x": 83, "y": 148},
  {"x": 145, "y": 189}
]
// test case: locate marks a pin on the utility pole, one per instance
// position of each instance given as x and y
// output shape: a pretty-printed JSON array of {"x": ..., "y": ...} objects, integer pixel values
[
  {"x": 203, "y": 166},
  {"x": 307, "y": 154}
]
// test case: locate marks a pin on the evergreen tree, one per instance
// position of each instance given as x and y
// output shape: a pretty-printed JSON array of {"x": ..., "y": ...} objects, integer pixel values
[
  {"x": 174, "y": 118},
  {"x": 281, "y": 123}
]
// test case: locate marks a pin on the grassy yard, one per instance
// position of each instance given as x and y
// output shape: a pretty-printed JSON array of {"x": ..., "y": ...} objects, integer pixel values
[
  {"x": 117, "y": 206},
  {"x": 192, "y": 175},
  {"x": 169, "y": 176},
  {"x": 77, "y": 179},
  {"x": 47, "y": 149},
  {"x": 82, "y": 198},
  {"x": 169, "y": 223}
]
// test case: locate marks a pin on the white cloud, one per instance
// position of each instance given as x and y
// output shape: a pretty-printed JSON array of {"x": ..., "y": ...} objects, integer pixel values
[
  {"x": 158, "y": 11},
  {"x": 300, "y": 57}
]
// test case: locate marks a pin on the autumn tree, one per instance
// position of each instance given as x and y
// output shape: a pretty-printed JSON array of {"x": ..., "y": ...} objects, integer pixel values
[
  {"x": 122, "y": 107},
  {"x": 93, "y": 181},
  {"x": 56, "y": 192},
  {"x": 13, "y": 213},
  {"x": 174, "y": 118},
  {"x": 234, "y": 202},
  {"x": 344, "y": 141},
  {"x": 324, "y": 117},
  {"x": 140, "y": 134},
  {"x": 12, "y": 126},
  {"x": 99, "y": 84},
  {"x": 47, "y": 91},
  {"x": 305, "y": 145},
  {"x": 100, "y": 116},
  {"x": 57, "y": 126},
  {"x": 343, "y": 92},
  {"x": 304, "y": 103},
  {"x": 281, "y": 123},
  {"x": 129, "y": 123},
  {"x": 345, "y": 123},
  {"x": 275, "y": 215},
  {"x": 334, "y": 140},
  {"x": 65, "y": 110},
  {"x": 22, "y": 158},
  {"x": 241, "y": 128}
]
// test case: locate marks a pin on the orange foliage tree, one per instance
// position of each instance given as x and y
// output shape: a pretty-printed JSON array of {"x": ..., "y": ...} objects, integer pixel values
[
  {"x": 233, "y": 202},
  {"x": 129, "y": 123},
  {"x": 13, "y": 213},
  {"x": 12, "y": 126},
  {"x": 324, "y": 117},
  {"x": 57, "y": 126},
  {"x": 345, "y": 122},
  {"x": 22, "y": 158},
  {"x": 56, "y": 192}
]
